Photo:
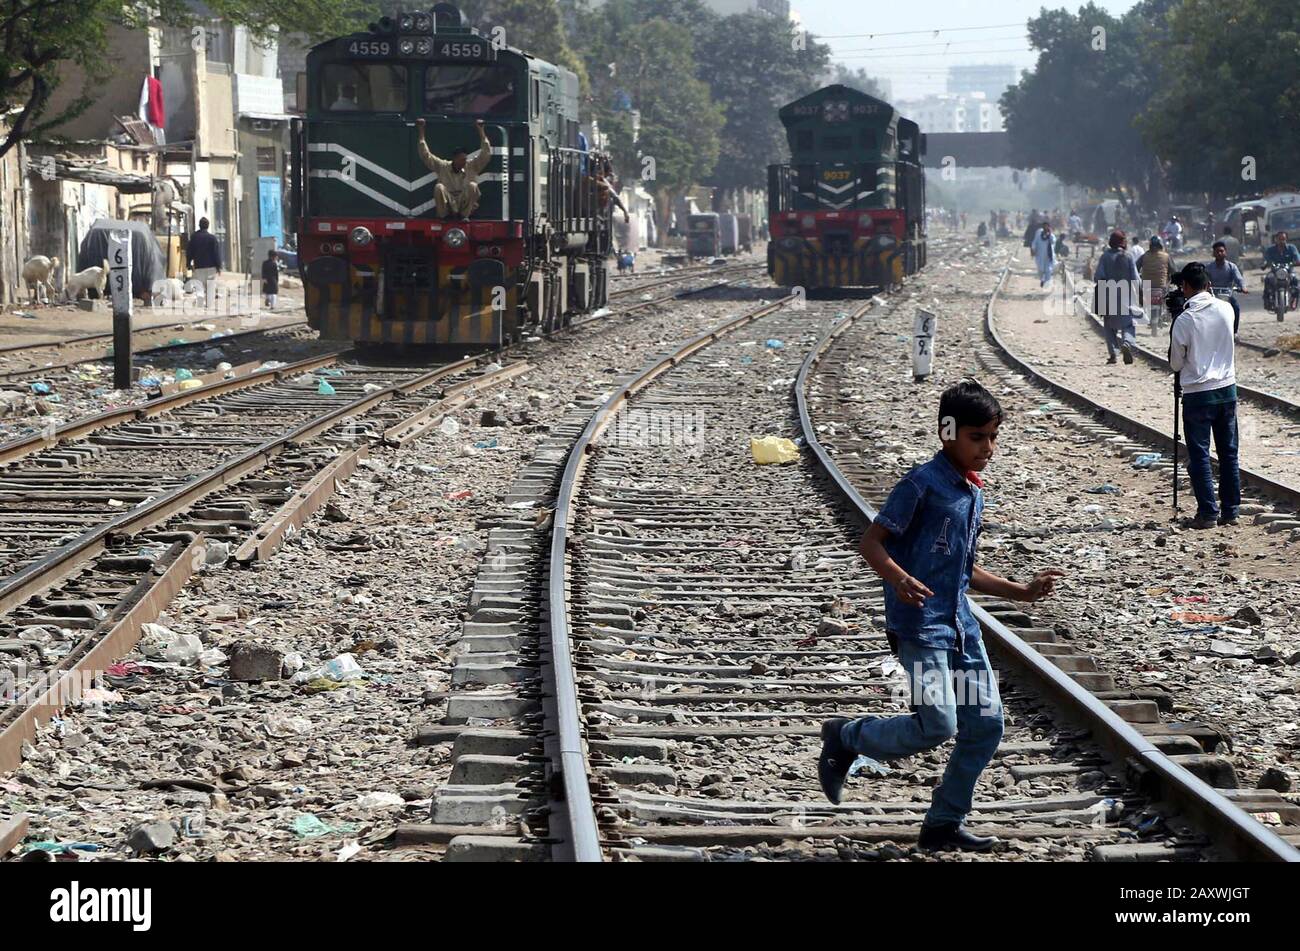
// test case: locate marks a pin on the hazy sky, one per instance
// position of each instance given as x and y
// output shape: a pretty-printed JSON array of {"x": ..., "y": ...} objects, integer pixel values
[{"x": 916, "y": 63}]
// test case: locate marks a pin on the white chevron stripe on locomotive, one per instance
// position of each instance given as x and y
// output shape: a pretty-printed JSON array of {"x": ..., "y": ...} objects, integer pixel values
[{"x": 382, "y": 172}]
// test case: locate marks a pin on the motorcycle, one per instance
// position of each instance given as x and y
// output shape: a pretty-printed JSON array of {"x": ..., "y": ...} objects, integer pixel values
[
  {"x": 1279, "y": 295},
  {"x": 1157, "y": 309}
]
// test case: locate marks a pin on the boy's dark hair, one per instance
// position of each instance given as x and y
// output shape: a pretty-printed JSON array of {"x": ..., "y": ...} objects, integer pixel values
[
  {"x": 1218, "y": 244},
  {"x": 968, "y": 404}
]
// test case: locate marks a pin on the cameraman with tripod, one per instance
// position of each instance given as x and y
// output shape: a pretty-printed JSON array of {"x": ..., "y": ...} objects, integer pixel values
[{"x": 1201, "y": 354}]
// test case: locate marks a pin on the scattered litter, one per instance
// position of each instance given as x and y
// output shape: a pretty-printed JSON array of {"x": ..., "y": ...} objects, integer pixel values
[
  {"x": 449, "y": 426},
  {"x": 1094, "y": 509},
  {"x": 486, "y": 443},
  {"x": 40, "y": 388},
  {"x": 1146, "y": 460},
  {"x": 1104, "y": 489},
  {"x": 772, "y": 449},
  {"x": 150, "y": 382},
  {"x": 869, "y": 766},
  {"x": 1189, "y": 617},
  {"x": 457, "y": 496},
  {"x": 344, "y": 667},
  {"x": 350, "y": 848},
  {"x": 279, "y": 725},
  {"x": 773, "y": 344},
  {"x": 324, "y": 389},
  {"x": 380, "y": 800},
  {"x": 307, "y": 826},
  {"x": 184, "y": 373},
  {"x": 371, "y": 388}
]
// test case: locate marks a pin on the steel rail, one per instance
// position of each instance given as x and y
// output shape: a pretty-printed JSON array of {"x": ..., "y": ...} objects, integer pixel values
[
  {"x": 39, "y": 575},
  {"x": 105, "y": 355},
  {"x": 1274, "y": 489},
  {"x": 1228, "y": 825},
  {"x": 571, "y": 760},
  {"x": 23, "y": 446},
  {"x": 1262, "y": 397}
]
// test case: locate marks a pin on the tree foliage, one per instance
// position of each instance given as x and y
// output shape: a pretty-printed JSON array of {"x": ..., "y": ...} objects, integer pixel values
[
  {"x": 753, "y": 69},
  {"x": 1074, "y": 113},
  {"x": 38, "y": 38},
  {"x": 1233, "y": 78},
  {"x": 855, "y": 79},
  {"x": 535, "y": 26}
]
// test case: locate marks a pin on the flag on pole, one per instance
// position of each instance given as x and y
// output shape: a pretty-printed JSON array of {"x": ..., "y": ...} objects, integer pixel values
[{"x": 151, "y": 107}]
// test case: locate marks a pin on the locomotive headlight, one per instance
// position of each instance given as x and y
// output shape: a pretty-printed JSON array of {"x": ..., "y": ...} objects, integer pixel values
[
  {"x": 809, "y": 222},
  {"x": 423, "y": 47},
  {"x": 338, "y": 247},
  {"x": 407, "y": 46},
  {"x": 324, "y": 247},
  {"x": 361, "y": 236},
  {"x": 864, "y": 221},
  {"x": 455, "y": 238},
  {"x": 405, "y": 23},
  {"x": 422, "y": 23}
]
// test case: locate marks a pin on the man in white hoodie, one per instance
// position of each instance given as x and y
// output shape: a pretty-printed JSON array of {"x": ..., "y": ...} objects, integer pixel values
[{"x": 1200, "y": 352}]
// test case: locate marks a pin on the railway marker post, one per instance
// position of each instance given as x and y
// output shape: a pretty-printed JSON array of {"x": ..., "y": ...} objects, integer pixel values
[
  {"x": 119, "y": 289},
  {"x": 923, "y": 331}
]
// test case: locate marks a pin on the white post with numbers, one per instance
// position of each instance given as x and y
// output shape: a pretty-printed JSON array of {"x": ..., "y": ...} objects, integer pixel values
[
  {"x": 923, "y": 331},
  {"x": 119, "y": 292}
]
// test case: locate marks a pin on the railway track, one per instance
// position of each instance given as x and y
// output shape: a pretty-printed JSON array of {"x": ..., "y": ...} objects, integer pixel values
[
  {"x": 105, "y": 521},
  {"x": 1273, "y": 402},
  {"x": 627, "y": 687}
]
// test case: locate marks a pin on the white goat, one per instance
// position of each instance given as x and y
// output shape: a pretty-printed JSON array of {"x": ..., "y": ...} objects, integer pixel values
[
  {"x": 90, "y": 278},
  {"x": 38, "y": 275}
]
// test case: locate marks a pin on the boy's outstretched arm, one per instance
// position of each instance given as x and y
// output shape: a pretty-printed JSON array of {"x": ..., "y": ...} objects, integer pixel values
[
  {"x": 985, "y": 582},
  {"x": 909, "y": 590}
]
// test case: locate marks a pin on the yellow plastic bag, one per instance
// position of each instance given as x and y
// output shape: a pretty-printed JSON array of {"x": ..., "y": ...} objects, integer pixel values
[
  {"x": 773, "y": 449},
  {"x": 190, "y": 384}
]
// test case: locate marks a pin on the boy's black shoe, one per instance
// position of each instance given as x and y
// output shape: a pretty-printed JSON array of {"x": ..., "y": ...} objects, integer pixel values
[
  {"x": 954, "y": 835},
  {"x": 1128, "y": 353},
  {"x": 1111, "y": 359},
  {"x": 833, "y": 765}
]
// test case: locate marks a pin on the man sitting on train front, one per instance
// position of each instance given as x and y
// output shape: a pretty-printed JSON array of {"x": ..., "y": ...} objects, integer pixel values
[{"x": 456, "y": 193}]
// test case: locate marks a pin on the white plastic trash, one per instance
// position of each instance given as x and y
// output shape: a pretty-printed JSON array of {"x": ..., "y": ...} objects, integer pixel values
[
  {"x": 449, "y": 426},
  {"x": 343, "y": 667}
]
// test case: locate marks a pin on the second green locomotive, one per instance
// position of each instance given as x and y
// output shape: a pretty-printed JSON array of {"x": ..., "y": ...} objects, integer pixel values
[{"x": 849, "y": 208}]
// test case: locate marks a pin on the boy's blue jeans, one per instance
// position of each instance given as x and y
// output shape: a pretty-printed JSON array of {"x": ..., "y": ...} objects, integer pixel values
[
  {"x": 1198, "y": 424},
  {"x": 953, "y": 694}
]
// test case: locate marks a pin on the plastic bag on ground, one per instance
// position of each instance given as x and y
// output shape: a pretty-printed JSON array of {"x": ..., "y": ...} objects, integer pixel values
[
  {"x": 343, "y": 667},
  {"x": 773, "y": 449}
]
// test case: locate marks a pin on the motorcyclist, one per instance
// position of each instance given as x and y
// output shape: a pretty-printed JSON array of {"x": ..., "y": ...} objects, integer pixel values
[
  {"x": 1174, "y": 232},
  {"x": 1281, "y": 252},
  {"x": 1154, "y": 267},
  {"x": 1224, "y": 275}
]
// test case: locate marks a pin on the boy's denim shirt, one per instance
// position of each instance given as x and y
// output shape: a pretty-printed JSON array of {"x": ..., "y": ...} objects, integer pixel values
[{"x": 933, "y": 517}]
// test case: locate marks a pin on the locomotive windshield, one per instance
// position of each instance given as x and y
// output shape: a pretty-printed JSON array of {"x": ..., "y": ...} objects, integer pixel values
[
  {"x": 463, "y": 89},
  {"x": 363, "y": 87}
]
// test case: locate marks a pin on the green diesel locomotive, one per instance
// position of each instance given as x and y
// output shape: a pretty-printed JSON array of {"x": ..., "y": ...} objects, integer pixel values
[
  {"x": 849, "y": 208},
  {"x": 384, "y": 255}
]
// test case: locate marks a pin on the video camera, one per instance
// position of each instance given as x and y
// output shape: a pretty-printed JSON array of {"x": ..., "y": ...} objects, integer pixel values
[{"x": 1175, "y": 301}]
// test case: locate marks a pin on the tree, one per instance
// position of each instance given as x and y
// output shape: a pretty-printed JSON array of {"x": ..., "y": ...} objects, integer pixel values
[
  {"x": 855, "y": 79},
  {"x": 38, "y": 38},
  {"x": 1232, "y": 78},
  {"x": 753, "y": 69},
  {"x": 1074, "y": 114},
  {"x": 534, "y": 26}
]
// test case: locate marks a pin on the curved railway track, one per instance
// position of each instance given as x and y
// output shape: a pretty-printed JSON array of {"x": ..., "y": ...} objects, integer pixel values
[
  {"x": 629, "y": 684},
  {"x": 111, "y": 514}
]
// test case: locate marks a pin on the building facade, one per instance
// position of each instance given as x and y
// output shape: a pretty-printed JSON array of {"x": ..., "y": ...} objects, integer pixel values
[
  {"x": 990, "y": 80},
  {"x": 949, "y": 113}
]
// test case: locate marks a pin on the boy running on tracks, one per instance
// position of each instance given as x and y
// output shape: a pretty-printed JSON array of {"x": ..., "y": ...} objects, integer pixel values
[{"x": 922, "y": 544}]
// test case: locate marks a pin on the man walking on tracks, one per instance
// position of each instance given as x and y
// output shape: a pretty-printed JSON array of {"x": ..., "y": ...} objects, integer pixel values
[
  {"x": 1044, "y": 250},
  {"x": 1200, "y": 352},
  {"x": 1115, "y": 297},
  {"x": 456, "y": 193},
  {"x": 922, "y": 544}
]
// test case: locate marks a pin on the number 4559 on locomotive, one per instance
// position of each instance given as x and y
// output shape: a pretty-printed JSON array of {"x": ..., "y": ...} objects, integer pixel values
[{"x": 520, "y": 247}]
